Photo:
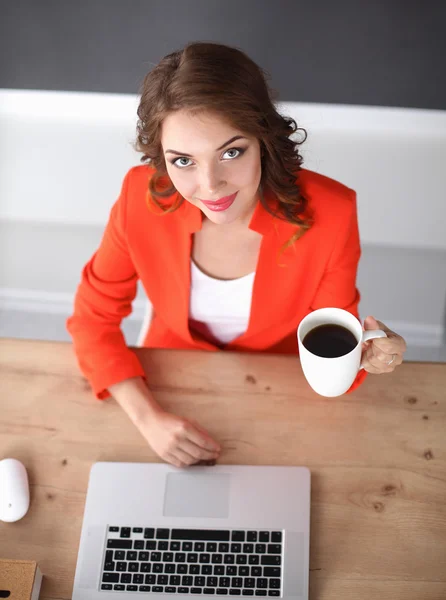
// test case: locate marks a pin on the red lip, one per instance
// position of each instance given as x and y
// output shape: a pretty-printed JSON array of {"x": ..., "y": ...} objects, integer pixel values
[{"x": 220, "y": 204}]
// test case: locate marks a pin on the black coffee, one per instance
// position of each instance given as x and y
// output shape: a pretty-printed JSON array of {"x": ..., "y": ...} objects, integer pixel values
[{"x": 329, "y": 341}]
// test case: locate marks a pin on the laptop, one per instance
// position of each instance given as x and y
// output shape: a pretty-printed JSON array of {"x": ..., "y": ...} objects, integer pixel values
[{"x": 153, "y": 531}]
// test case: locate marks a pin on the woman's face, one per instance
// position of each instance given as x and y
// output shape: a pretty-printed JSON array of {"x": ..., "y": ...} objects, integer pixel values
[{"x": 212, "y": 165}]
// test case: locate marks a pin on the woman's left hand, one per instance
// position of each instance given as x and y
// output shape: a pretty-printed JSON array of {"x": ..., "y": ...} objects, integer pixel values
[{"x": 382, "y": 355}]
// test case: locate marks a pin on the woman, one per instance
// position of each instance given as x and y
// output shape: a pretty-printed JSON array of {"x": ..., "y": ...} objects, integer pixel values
[{"x": 232, "y": 240}]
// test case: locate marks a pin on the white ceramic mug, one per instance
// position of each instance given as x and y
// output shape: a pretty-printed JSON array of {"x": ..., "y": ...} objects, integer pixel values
[{"x": 333, "y": 376}]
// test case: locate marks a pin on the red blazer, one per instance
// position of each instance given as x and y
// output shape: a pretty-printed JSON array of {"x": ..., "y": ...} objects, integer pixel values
[{"x": 318, "y": 270}]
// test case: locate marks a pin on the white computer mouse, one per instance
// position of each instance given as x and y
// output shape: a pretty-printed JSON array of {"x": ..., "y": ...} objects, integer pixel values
[{"x": 14, "y": 490}]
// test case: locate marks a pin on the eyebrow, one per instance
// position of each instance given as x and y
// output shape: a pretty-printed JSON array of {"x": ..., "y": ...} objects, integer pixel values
[{"x": 233, "y": 139}]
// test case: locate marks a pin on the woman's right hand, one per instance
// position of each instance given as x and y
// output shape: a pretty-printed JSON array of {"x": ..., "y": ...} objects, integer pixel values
[{"x": 177, "y": 440}]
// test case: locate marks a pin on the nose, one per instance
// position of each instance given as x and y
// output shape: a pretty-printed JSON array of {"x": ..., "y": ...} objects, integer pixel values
[{"x": 211, "y": 182}]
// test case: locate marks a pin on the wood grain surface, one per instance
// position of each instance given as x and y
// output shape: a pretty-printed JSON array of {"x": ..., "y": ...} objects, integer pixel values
[{"x": 377, "y": 457}]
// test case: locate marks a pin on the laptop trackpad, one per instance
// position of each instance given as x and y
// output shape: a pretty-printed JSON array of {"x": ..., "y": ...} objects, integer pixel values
[{"x": 197, "y": 495}]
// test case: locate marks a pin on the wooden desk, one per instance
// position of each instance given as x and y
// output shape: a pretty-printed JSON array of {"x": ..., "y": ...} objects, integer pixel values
[{"x": 377, "y": 457}]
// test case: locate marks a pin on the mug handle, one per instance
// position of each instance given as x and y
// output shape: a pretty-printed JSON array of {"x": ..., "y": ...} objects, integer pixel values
[{"x": 369, "y": 335}]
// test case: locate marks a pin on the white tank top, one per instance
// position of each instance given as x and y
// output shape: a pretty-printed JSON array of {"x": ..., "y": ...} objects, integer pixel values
[{"x": 219, "y": 309}]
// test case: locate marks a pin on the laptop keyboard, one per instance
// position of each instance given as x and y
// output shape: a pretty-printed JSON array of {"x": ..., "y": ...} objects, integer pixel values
[{"x": 193, "y": 561}]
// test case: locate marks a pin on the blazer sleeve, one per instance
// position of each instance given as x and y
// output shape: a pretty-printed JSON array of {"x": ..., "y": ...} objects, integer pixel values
[
  {"x": 338, "y": 284},
  {"x": 103, "y": 298}
]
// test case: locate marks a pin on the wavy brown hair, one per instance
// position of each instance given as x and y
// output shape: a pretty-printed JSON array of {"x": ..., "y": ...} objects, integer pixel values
[{"x": 212, "y": 77}]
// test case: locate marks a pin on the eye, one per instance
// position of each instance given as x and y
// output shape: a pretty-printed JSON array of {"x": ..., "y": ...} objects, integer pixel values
[
  {"x": 238, "y": 151},
  {"x": 181, "y": 164}
]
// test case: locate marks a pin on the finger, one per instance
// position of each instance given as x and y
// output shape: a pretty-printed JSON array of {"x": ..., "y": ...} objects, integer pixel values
[
  {"x": 180, "y": 459},
  {"x": 196, "y": 452},
  {"x": 389, "y": 345},
  {"x": 201, "y": 438},
  {"x": 173, "y": 460}
]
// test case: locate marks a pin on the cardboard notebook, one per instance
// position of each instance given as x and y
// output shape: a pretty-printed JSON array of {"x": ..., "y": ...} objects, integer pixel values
[{"x": 19, "y": 579}]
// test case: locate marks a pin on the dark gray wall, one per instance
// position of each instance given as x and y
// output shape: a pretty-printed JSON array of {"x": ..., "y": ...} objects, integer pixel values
[{"x": 375, "y": 52}]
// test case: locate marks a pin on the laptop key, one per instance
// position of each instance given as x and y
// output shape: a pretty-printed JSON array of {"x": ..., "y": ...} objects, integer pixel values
[
  {"x": 144, "y": 588},
  {"x": 110, "y": 578},
  {"x": 200, "y": 535},
  {"x": 139, "y": 545},
  {"x": 262, "y": 582},
  {"x": 187, "y": 580},
  {"x": 157, "y": 589},
  {"x": 169, "y": 568},
  {"x": 167, "y": 557},
  {"x": 195, "y": 590},
  {"x": 212, "y": 581},
  {"x": 230, "y": 570},
  {"x": 175, "y": 546},
  {"x": 260, "y": 592},
  {"x": 157, "y": 568},
  {"x": 119, "y": 587},
  {"x": 219, "y": 570},
  {"x": 216, "y": 558},
  {"x": 133, "y": 567},
  {"x": 121, "y": 544},
  {"x": 264, "y": 537},
  {"x": 206, "y": 558},
  {"x": 252, "y": 536},
  {"x": 170, "y": 590},
  {"x": 109, "y": 566},
  {"x": 126, "y": 578},
  {"x": 137, "y": 529},
  {"x": 131, "y": 588},
  {"x": 274, "y": 549},
  {"x": 250, "y": 582},
  {"x": 106, "y": 586},
  {"x": 114, "y": 529},
  {"x": 256, "y": 571},
  {"x": 125, "y": 532},
  {"x": 273, "y": 560},
  {"x": 119, "y": 555},
  {"x": 208, "y": 591},
  {"x": 150, "y": 579},
  {"x": 155, "y": 556},
  {"x": 274, "y": 583},
  {"x": 237, "y": 582},
  {"x": 174, "y": 580},
  {"x": 271, "y": 571},
  {"x": 236, "y": 548},
  {"x": 151, "y": 545},
  {"x": 254, "y": 559},
  {"x": 248, "y": 593},
  {"x": 224, "y": 582},
  {"x": 248, "y": 548},
  {"x": 211, "y": 547},
  {"x": 199, "y": 581},
  {"x": 163, "y": 546},
  {"x": 276, "y": 537},
  {"x": 162, "y": 580},
  {"x": 138, "y": 578},
  {"x": 192, "y": 557},
  {"x": 274, "y": 593},
  {"x": 207, "y": 570},
  {"x": 229, "y": 559},
  {"x": 222, "y": 591},
  {"x": 149, "y": 533},
  {"x": 180, "y": 557},
  {"x": 145, "y": 567},
  {"x": 235, "y": 592},
  {"x": 243, "y": 571},
  {"x": 194, "y": 569},
  {"x": 238, "y": 536},
  {"x": 162, "y": 534},
  {"x": 261, "y": 549},
  {"x": 241, "y": 559},
  {"x": 199, "y": 547},
  {"x": 183, "y": 590},
  {"x": 143, "y": 557},
  {"x": 187, "y": 547},
  {"x": 121, "y": 567}
]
